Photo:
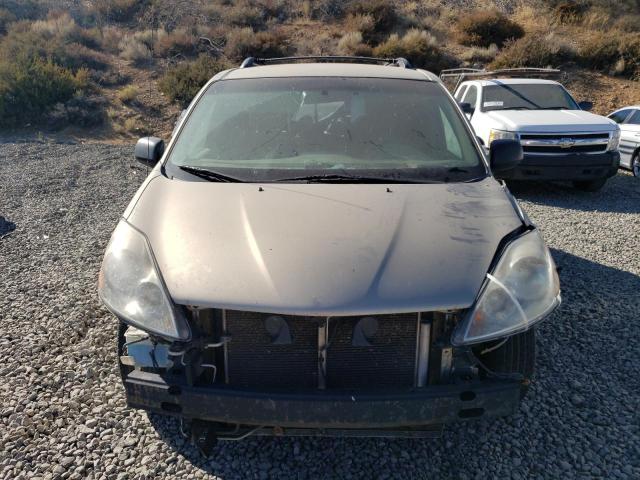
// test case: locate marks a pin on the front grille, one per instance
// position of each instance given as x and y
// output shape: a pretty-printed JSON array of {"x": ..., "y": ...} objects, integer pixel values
[
  {"x": 554, "y": 144},
  {"x": 386, "y": 359},
  {"x": 253, "y": 360},
  {"x": 388, "y": 362}
]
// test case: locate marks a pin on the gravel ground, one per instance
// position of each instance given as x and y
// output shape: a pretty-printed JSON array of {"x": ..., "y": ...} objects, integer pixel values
[{"x": 62, "y": 408}]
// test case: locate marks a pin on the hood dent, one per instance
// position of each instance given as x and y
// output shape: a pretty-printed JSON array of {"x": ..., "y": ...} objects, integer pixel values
[{"x": 324, "y": 249}]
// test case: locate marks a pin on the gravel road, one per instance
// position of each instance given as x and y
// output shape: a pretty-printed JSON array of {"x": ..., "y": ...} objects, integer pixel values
[{"x": 62, "y": 408}]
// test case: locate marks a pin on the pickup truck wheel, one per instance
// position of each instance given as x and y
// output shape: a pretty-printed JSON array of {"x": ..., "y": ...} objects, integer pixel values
[
  {"x": 516, "y": 356},
  {"x": 635, "y": 165},
  {"x": 590, "y": 185}
]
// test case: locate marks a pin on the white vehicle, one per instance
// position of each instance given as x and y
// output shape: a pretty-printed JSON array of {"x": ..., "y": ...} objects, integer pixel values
[
  {"x": 628, "y": 118},
  {"x": 560, "y": 140}
]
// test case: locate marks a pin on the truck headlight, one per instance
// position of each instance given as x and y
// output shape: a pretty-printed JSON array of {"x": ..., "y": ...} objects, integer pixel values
[
  {"x": 522, "y": 290},
  {"x": 614, "y": 140},
  {"x": 131, "y": 287},
  {"x": 502, "y": 135}
]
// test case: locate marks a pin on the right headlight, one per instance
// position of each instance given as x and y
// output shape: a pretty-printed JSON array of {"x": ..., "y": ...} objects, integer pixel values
[
  {"x": 522, "y": 289},
  {"x": 502, "y": 135},
  {"x": 131, "y": 287},
  {"x": 614, "y": 140}
]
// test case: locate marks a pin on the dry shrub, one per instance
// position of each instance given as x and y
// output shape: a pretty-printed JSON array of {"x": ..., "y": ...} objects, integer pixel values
[
  {"x": 569, "y": 12},
  {"x": 481, "y": 54},
  {"x": 244, "y": 42},
  {"x": 110, "y": 38},
  {"x": 628, "y": 23},
  {"x": 128, "y": 94},
  {"x": 419, "y": 47},
  {"x": 359, "y": 23},
  {"x": 81, "y": 110},
  {"x": 321, "y": 44},
  {"x": 29, "y": 87},
  {"x": 114, "y": 10},
  {"x": 322, "y": 10},
  {"x": 243, "y": 14},
  {"x": 6, "y": 18},
  {"x": 182, "y": 82},
  {"x": 534, "y": 51},
  {"x": 382, "y": 12},
  {"x": 138, "y": 47},
  {"x": 351, "y": 44},
  {"x": 483, "y": 28},
  {"x": 180, "y": 41},
  {"x": 611, "y": 52}
]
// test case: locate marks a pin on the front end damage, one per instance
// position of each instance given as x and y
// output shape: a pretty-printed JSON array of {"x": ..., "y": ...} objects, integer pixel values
[{"x": 244, "y": 373}]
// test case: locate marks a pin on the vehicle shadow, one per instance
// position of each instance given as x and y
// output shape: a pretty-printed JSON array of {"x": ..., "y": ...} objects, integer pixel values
[
  {"x": 621, "y": 194},
  {"x": 6, "y": 226},
  {"x": 598, "y": 316}
]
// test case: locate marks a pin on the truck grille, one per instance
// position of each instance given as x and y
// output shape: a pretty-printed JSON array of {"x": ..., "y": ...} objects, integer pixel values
[
  {"x": 554, "y": 144},
  {"x": 386, "y": 358}
]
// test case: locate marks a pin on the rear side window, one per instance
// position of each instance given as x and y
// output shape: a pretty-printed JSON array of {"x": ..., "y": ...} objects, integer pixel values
[
  {"x": 619, "y": 117},
  {"x": 472, "y": 95},
  {"x": 460, "y": 93},
  {"x": 635, "y": 118}
]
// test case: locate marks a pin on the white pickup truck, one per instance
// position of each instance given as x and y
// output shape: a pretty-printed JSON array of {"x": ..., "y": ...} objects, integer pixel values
[{"x": 560, "y": 140}]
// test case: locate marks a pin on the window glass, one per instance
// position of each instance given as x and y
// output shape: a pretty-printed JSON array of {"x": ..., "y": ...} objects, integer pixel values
[
  {"x": 619, "y": 117},
  {"x": 261, "y": 129},
  {"x": 472, "y": 96},
  {"x": 460, "y": 93},
  {"x": 527, "y": 96},
  {"x": 635, "y": 118}
]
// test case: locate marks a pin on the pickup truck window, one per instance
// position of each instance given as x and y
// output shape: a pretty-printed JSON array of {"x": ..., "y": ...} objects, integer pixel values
[
  {"x": 273, "y": 128},
  {"x": 471, "y": 97},
  {"x": 526, "y": 96},
  {"x": 460, "y": 93}
]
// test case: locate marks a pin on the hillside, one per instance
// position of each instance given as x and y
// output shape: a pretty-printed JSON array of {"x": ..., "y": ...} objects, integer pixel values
[{"x": 108, "y": 70}]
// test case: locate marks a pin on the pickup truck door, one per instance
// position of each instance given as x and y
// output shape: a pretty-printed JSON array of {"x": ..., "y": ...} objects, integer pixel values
[{"x": 630, "y": 137}]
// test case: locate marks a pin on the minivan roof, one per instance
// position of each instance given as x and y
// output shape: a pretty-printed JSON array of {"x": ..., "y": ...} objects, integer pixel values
[{"x": 329, "y": 70}]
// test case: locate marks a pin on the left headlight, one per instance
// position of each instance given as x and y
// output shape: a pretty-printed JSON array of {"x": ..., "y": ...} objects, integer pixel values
[
  {"x": 614, "y": 140},
  {"x": 522, "y": 289},
  {"x": 131, "y": 287},
  {"x": 502, "y": 135}
]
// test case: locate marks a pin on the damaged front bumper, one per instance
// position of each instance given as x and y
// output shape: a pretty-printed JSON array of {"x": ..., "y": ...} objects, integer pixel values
[{"x": 396, "y": 414}]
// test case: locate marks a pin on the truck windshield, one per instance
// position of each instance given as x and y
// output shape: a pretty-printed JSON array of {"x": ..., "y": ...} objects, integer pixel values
[
  {"x": 272, "y": 129},
  {"x": 526, "y": 96}
]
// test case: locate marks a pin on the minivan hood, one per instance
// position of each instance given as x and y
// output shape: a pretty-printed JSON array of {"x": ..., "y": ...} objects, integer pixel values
[
  {"x": 551, "y": 121},
  {"x": 324, "y": 249}
]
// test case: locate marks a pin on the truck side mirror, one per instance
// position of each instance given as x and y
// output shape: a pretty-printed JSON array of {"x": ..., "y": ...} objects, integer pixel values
[
  {"x": 504, "y": 155},
  {"x": 466, "y": 108},
  {"x": 149, "y": 150},
  {"x": 585, "y": 105}
]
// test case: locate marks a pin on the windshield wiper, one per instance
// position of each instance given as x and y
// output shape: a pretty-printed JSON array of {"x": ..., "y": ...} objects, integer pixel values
[
  {"x": 209, "y": 174},
  {"x": 336, "y": 177},
  {"x": 559, "y": 107}
]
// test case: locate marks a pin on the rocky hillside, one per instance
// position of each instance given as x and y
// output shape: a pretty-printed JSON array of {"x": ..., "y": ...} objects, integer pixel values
[{"x": 116, "y": 69}]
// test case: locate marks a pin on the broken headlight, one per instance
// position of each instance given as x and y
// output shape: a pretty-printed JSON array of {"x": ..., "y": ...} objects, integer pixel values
[
  {"x": 522, "y": 290},
  {"x": 131, "y": 287}
]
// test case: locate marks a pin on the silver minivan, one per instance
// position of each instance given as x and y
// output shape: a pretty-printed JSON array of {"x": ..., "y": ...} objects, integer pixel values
[{"x": 322, "y": 249}]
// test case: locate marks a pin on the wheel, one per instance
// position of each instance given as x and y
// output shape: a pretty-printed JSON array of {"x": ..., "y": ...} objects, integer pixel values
[
  {"x": 515, "y": 356},
  {"x": 635, "y": 165},
  {"x": 590, "y": 185}
]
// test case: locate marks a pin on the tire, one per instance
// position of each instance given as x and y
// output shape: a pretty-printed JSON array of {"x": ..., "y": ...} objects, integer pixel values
[
  {"x": 590, "y": 185},
  {"x": 516, "y": 356},
  {"x": 635, "y": 165}
]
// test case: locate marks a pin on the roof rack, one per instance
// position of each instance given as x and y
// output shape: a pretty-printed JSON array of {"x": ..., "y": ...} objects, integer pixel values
[
  {"x": 461, "y": 74},
  {"x": 396, "y": 62}
]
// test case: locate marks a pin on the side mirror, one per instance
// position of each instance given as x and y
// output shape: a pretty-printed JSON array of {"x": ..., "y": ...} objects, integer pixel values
[
  {"x": 504, "y": 155},
  {"x": 466, "y": 108},
  {"x": 149, "y": 150},
  {"x": 585, "y": 105},
  {"x": 480, "y": 141}
]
